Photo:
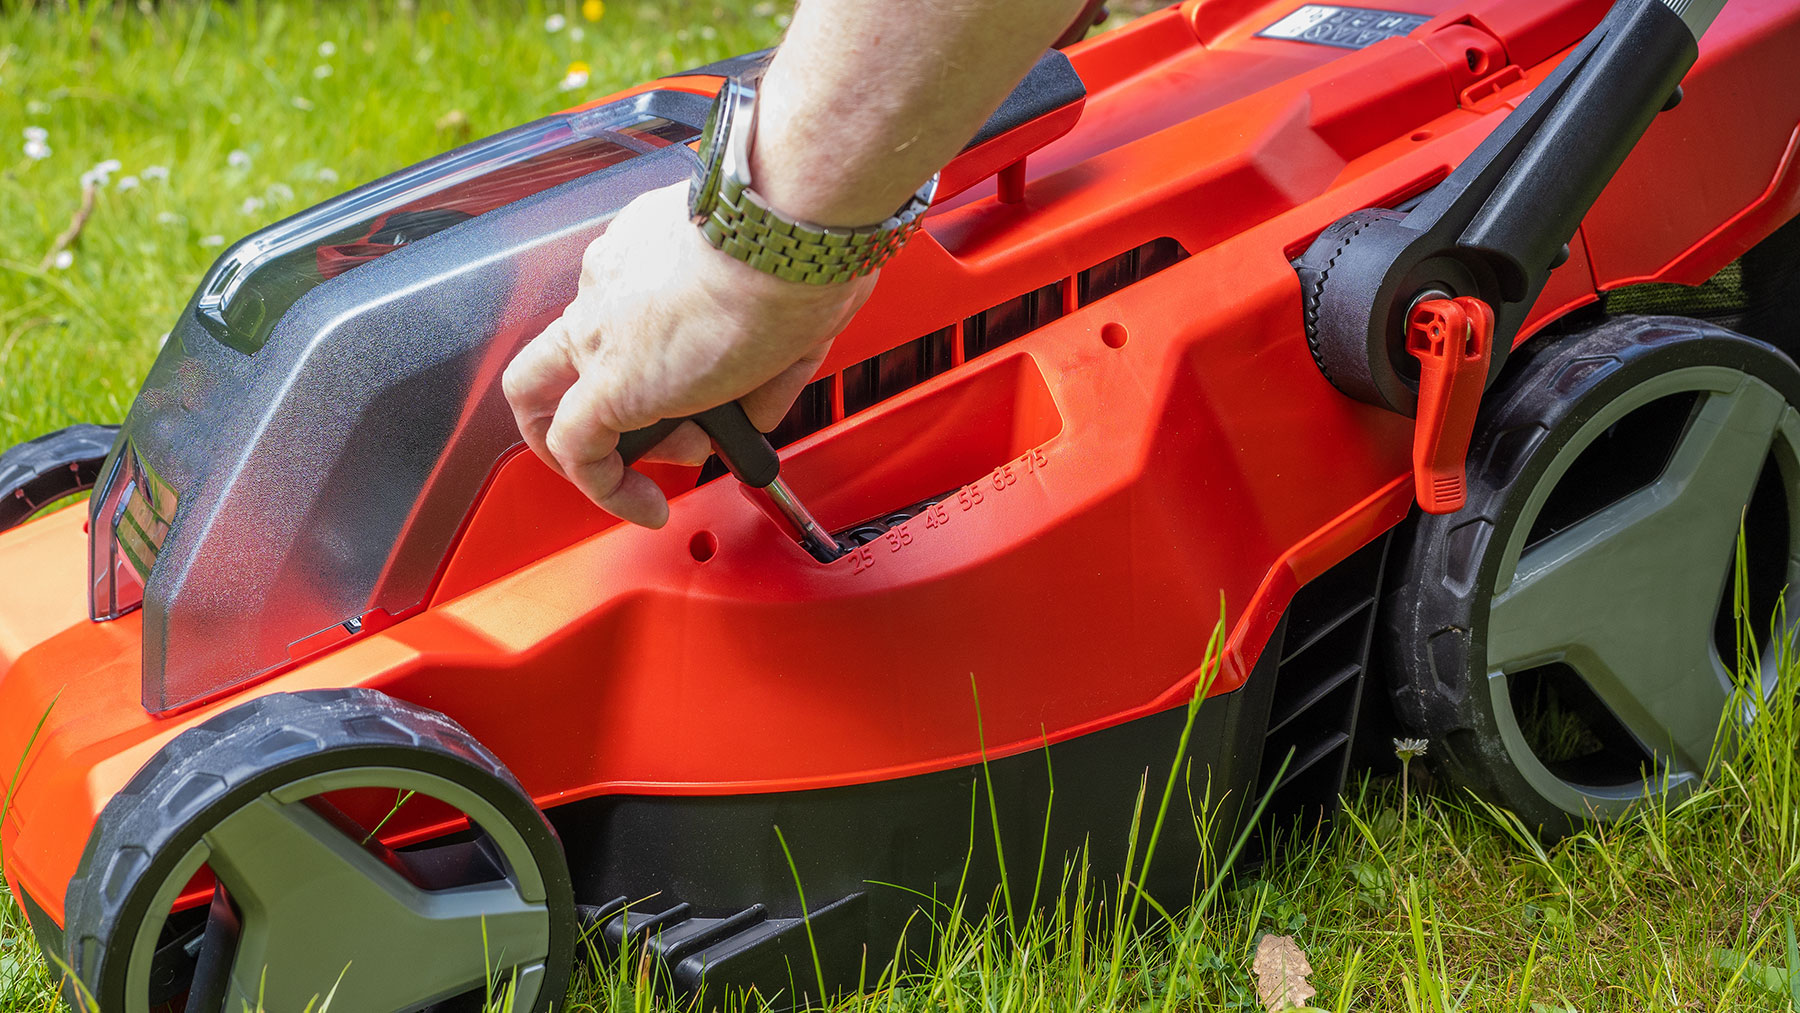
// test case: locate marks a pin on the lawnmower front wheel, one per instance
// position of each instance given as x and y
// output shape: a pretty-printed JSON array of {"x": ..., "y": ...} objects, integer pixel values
[{"x": 279, "y": 809}]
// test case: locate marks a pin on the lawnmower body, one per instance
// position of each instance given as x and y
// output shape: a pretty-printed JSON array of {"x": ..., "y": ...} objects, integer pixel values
[{"x": 1102, "y": 393}]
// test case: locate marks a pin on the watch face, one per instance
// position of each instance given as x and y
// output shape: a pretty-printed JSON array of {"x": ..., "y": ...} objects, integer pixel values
[{"x": 704, "y": 191}]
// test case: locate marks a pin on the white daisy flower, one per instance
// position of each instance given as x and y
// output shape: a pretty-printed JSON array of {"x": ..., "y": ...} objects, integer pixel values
[
  {"x": 1407, "y": 749},
  {"x": 64, "y": 260},
  {"x": 322, "y": 71},
  {"x": 301, "y": 103},
  {"x": 213, "y": 240},
  {"x": 555, "y": 23},
  {"x": 328, "y": 49},
  {"x": 576, "y": 34},
  {"x": 156, "y": 172},
  {"x": 162, "y": 340},
  {"x": 37, "y": 151},
  {"x": 94, "y": 178},
  {"x": 238, "y": 159},
  {"x": 127, "y": 183},
  {"x": 36, "y": 134},
  {"x": 279, "y": 193},
  {"x": 327, "y": 175},
  {"x": 109, "y": 166},
  {"x": 167, "y": 218},
  {"x": 251, "y": 205},
  {"x": 573, "y": 80}
]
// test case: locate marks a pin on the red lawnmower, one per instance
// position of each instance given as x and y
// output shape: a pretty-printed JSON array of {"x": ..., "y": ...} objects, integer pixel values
[{"x": 1450, "y": 344}]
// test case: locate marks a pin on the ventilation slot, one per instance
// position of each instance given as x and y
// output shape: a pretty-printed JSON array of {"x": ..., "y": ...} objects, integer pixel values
[
  {"x": 1324, "y": 647},
  {"x": 811, "y": 412},
  {"x": 1128, "y": 268},
  {"x": 1011, "y": 320},
  {"x": 689, "y": 949},
  {"x": 875, "y": 379}
]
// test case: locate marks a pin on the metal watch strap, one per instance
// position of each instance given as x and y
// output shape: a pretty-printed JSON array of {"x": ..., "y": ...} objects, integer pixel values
[{"x": 748, "y": 229}]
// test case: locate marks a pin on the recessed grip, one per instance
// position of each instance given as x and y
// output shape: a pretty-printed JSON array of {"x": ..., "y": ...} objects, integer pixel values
[{"x": 744, "y": 449}]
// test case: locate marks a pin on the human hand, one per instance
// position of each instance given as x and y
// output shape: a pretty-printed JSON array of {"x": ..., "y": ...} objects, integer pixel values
[{"x": 665, "y": 326}]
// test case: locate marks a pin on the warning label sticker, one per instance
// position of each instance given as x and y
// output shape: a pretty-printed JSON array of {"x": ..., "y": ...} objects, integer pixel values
[{"x": 1344, "y": 27}]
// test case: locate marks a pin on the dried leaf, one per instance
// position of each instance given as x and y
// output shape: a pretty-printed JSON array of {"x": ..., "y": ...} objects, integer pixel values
[{"x": 1281, "y": 971}]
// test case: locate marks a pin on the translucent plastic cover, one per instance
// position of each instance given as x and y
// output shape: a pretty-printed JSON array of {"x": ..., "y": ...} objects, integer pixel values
[
  {"x": 255, "y": 283},
  {"x": 328, "y": 408}
]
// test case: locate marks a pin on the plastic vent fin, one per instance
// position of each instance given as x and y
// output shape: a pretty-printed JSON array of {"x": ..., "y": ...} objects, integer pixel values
[
  {"x": 867, "y": 383},
  {"x": 1324, "y": 647}
]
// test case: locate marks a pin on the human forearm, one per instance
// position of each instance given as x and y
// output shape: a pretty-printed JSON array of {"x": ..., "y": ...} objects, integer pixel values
[{"x": 867, "y": 98}]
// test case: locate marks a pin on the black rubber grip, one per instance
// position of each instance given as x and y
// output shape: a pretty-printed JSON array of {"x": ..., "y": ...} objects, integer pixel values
[
  {"x": 1051, "y": 84},
  {"x": 638, "y": 442},
  {"x": 744, "y": 449}
]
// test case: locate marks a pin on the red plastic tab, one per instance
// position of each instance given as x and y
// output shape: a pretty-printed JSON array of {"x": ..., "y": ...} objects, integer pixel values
[
  {"x": 1004, "y": 152},
  {"x": 1453, "y": 340}
]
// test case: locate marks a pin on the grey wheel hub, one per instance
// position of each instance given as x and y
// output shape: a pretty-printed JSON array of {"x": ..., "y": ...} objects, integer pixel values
[
  {"x": 367, "y": 855},
  {"x": 323, "y": 916},
  {"x": 1628, "y": 596}
]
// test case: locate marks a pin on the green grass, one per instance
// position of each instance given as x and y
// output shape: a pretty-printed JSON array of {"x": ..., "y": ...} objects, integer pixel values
[
  {"x": 1438, "y": 904},
  {"x": 183, "y": 86}
]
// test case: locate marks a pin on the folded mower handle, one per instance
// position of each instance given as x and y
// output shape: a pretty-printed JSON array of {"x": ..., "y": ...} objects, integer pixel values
[{"x": 745, "y": 450}]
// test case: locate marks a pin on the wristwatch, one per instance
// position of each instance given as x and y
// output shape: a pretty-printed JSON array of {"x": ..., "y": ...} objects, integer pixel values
[{"x": 735, "y": 219}]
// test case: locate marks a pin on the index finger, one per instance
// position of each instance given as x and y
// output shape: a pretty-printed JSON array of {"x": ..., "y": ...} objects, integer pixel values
[{"x": 535, "y": 383}]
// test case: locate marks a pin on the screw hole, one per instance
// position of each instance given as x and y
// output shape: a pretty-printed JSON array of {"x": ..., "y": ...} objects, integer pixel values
[
  {"x": 1478, "y": 61},
  {"x": 1114, "y": 334},
  {"x": 703, "y": 546}
]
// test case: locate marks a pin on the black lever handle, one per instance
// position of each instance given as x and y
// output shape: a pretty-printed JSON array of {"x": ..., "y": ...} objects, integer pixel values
[
  {"x": 1526, "y": 189},
  {"x": 1499, "y": 224},
  {"x": 745, "y": 450}
]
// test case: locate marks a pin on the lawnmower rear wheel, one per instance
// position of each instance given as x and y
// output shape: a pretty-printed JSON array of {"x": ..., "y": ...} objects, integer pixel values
[
  {"x": 281, "y": 800},
  {"x": 1567, "y": 641},
  {"x": 37, "y": 475}
]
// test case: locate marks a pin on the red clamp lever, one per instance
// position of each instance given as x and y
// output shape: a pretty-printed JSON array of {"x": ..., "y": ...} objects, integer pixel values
[{"x": 1453, "y": 339}]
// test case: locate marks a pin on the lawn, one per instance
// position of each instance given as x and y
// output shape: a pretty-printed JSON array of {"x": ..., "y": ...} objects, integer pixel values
[{"x": 211, "y": 121}]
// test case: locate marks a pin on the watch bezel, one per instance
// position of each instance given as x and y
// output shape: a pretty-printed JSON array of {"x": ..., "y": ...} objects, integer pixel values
[{"x": 723, "y": 147}]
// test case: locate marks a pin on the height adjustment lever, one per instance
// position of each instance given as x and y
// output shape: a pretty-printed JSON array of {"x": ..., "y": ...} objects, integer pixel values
[
  {"x": 751, "y": 458},
  {"x": 1453, "y": 339}
]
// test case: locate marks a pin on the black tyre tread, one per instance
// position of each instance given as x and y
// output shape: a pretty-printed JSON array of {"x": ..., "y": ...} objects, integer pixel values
[
  {"x": 233, "y": 756},
  {"x": 52, "y": 466},
  {"x": 1343, "y": 367},
  {"x": 1435, "y": 617}
]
